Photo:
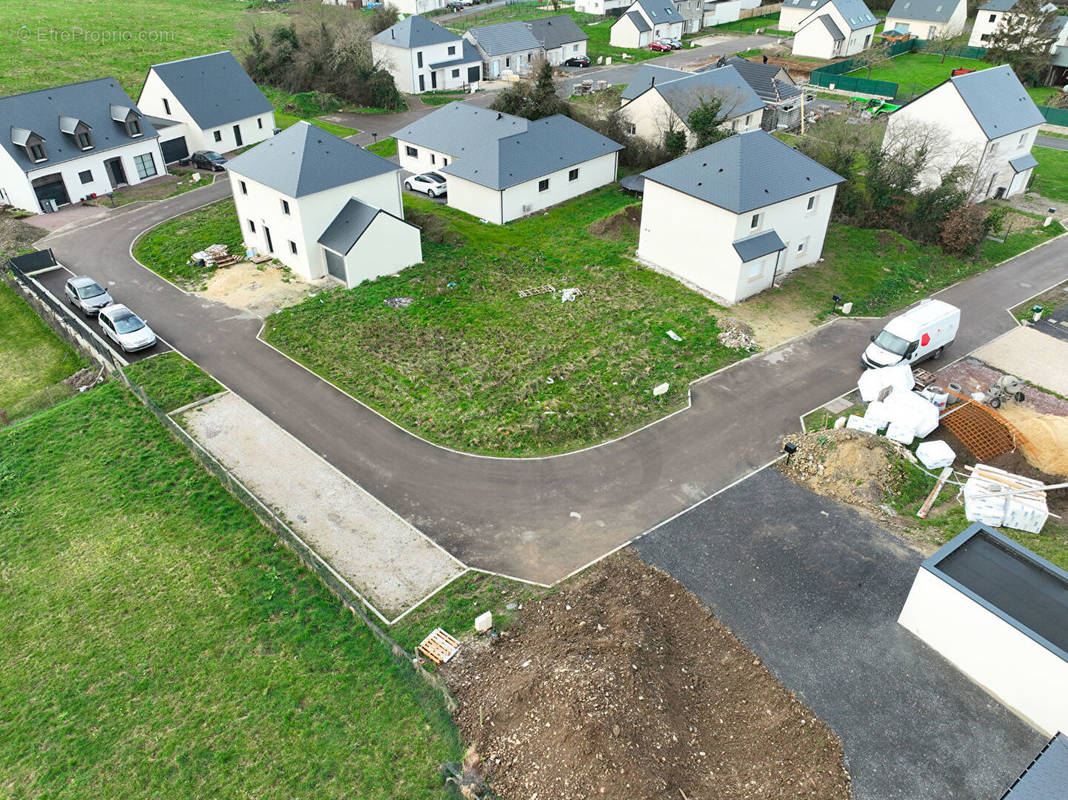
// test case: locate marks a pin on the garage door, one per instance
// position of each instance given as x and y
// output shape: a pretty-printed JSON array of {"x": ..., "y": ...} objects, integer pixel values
[
  {"x": 174, "y": 150},
  {"x": 335, "y": 265},
  {"x": 51, "y": 187}
]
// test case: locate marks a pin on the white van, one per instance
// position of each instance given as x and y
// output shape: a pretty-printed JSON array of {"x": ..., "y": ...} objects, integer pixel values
[{"x": 921, "y": 332}]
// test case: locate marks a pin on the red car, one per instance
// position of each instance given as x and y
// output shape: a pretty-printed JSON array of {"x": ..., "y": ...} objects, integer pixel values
[{"x": 660, "y": 47}]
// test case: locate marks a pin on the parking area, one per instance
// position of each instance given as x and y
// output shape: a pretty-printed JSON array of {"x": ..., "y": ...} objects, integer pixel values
[
  {"x": 53, "y": 280},
  {"x": 814, "y": 588}
]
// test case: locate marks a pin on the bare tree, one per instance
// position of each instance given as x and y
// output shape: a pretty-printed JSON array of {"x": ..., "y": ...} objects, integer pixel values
[
  {"x": 1024, "y": 40},
  {"x": 943, "y": 42},
  {"x": 872, "y": 57}
]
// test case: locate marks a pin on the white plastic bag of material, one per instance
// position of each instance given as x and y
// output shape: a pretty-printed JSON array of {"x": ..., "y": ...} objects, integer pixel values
[
  {"x": 910, "y": 410},
  {"x": 855, "y": 423},
  {"x": 936, "y": 454},
  {"x": 900, "y": 433},
  {"x": 873, "y": 381},
  {"x": 878, "y": 414}
]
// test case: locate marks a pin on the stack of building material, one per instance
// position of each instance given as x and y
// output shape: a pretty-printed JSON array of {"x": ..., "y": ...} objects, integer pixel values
[
  {"x": 874, "y": 381},
  {"x": 985, "y": 501},
  {"x": 936, "y": 454}
]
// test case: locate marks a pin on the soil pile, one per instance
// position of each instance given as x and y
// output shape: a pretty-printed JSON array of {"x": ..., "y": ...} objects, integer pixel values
[
  {"x": 622, "y": 685},
  {"x": 850, "y": 466},
  {"x": 619, "y": 224},
  {"x": 1048, "y": 435},
  {"x": 261, "y": 290}
]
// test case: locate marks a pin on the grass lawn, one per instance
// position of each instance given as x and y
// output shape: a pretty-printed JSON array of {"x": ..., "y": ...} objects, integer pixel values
[
  {"x": 1042, "y": 94},
  {"x": 881, "y": 271},
  {"x": 159, "y": 643},
  {"x": 64, "y": 42},
  {"x": 917, "y": 72},
  {"x": 172, "y": 381},
  {"x": 291, "y": 108},
  {"x": 442, "y": 99},
  {"x": 750, "y": 25},
  {"x": 472, "y": 365},
  {"x": 387, "y": 148},
  {"x": 166, "y": 248},
  {"x": 175, "y": 183},
  {"x": 1051, "y": 174},
  {"x": 283, "y": 121},
  {"x": 32, "y": 357}
]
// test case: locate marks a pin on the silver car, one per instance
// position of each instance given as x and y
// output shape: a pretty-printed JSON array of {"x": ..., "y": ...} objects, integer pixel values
[
  {"x": 86, "y": 294},
  {"x": 126, "y": 329}
]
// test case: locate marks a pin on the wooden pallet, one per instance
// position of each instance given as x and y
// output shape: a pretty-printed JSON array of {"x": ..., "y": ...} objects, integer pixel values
[
  {"x": 439, "y": 646},
  {"x": 224, "y": 261}
]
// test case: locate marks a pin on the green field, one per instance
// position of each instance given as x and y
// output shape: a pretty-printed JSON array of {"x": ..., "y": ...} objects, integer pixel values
[
  {"x": 387, "y": 148},
  {"x": 159, "y": 643},
  {"x": 917, "y": 72},
  {"x": 52, "y": 42},
  {"x": 1051, "y": 174},
  {"x": 769, "y": 22},
  {"x": 171, "y": 381},
  {"x": 472, "y": 365},
  {"x": 166, "y": 248},
  {"x": 32, "y": 358}
]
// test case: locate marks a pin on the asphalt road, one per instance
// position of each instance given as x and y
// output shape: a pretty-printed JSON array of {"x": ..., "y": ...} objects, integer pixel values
[
  {"x": 1052, "y": 142},
  {"x": 814, "y": 588},
  {"x": 537, "y": 519}
]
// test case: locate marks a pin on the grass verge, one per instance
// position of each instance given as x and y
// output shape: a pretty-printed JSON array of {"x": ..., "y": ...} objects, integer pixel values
[
  {"x": 166, "y": 249},
  {"x": 387, "y": 148},
  {"x": 32, "y": 358},
  {"x": 172, "y": 381},
  {"x": 158, "y": 642},
  {"x": 283, "y": 121},
  {"x": 472, "y": 365},
  {"x": 176, "y": 183},
  {"x": 1051, "y": 174}
]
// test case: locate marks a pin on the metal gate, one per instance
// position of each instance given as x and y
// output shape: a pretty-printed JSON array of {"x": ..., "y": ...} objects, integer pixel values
[
  {"x": 335, "y": 265},
  {"x": 174, "y": 150}
]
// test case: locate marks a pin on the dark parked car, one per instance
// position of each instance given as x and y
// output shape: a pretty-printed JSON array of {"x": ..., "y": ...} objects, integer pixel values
[
  {"x": 577, "y": 61},
  {"x": 208, "y": 159}
]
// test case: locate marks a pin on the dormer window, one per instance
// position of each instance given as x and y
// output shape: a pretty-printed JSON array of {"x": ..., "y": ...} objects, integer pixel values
[
  {"x": 133, "y": 126},
  {"x": 85, "y": 141},
  {"x": 32, "y": 143},
  {"x": 37, "y": 153},
  {"x": 128, "y": 118},
  {"x": 82, "y": 133}
]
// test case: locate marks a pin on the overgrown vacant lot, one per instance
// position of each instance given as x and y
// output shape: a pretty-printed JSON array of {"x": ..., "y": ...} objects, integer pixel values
[
  {"x": 159, "y": 643},
  {"x": 471, "y": 364},
  {"x": 64, "y": 42}
]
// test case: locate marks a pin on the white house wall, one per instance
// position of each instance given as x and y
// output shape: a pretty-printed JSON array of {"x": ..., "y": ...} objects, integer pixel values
[
  {"x": 669, "y": 239},
  {"x": 524, "y": 199},
  {"x": 625, "y": 34},
  {"x": 1019, "y": 671},
  {"x": 790, "y": 18},
  {"x": 387, "y": 246},
  {"x": 15, "y": 189},
  {"x": 424, "y": 159},
  {"x": 600, "y": 7},
  {"x": 398, "y": 62},
  {"x": 722, "y": 12},
  {"x": 478, "y": 201},
  {"x": 417, "y": 6},
  {"x": 986, "y": 22},
  {"x": 570, "y": 50},
  {"x": 652, "y": 117},
  {"x": 403, "y": 64},
  {"x": 814, "y": 41}
]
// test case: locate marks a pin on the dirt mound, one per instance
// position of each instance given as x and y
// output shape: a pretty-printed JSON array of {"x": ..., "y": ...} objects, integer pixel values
[
  {"x": 619, "y": 224},
  {"x": 259, "y": 289},
  {"x": 1048, "y": 435},
  {"x": 850, "y": 466},
  {"x": 623, "y": 685}
]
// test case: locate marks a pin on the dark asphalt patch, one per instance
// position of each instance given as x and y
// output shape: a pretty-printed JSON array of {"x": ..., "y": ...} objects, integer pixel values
[
  {"x": 814, "y": 589},
  {"x": 1056, "y": 324},
  {"x": 54, "y": 280}
]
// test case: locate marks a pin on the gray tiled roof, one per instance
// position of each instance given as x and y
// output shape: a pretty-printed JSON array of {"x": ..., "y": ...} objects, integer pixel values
[
  {"x": 857, "y": 15},
  {"x": 764, "y": 80},
  {"x": 639, "y": 21},
  {"x": 758, "y": 245},
  {"x": 460, "y": 128},
  {"x": 1022, "y": 163},
  {"x": 214, "y": 89},
  {"x": 304, "y": 159},
  {"x": 998, "y": 5},
  {"x": 925, "y": 10},
  {"x": 1046, "y": 776},
  {"x": 660, "y": 11},
  {"x": 726, "y": 84},
  {"x": 745, "y": 172},
  {"x": 468, "y": 55},
  {"x": 415, "y": 31},
  {"x": 349, "y": 225},
  {"x": 555, "y": 32},
  {"x": 504, "y": 38},
  {"x": 832, "y": 29},
  {"x": 998, "y": 101},
  {"x": 90, "y": 102},
  {"x": 534, "y": 150},
  {"x": 647, "y": 75}
]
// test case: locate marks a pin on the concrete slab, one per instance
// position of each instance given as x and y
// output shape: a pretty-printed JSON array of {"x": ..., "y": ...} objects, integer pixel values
[
  {"x": 1028, "y": 353},
  {"x": 814, "y": 588},
  {"x": 387, "y": 560}
]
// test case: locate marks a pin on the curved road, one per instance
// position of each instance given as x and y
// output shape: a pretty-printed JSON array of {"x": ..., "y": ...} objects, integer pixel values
[{"x": 537, "y": 519}]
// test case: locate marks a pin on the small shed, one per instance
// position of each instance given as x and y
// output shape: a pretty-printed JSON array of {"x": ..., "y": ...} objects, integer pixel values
[
  {"x": 364, "y": 242},
  {"x": 999, "y": 613}
]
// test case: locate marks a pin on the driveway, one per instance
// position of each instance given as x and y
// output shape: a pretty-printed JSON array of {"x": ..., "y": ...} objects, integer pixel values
[
  {"x": 537, "y": 519},
  {"x": 814, "y": 588},
  {"x": 1051, "y": 142}
]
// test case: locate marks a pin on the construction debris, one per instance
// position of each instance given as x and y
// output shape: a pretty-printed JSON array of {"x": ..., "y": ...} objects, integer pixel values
[
  {"x": 985, "y": 501},
  {"x": 398, "y": 302},
  {"x": 737, "y": 336},
  {"x": 661, "y": 388},
  {"x": 536, "y": 290},
  {"x": 925, "y": 509},
  {"x": 567, "y": 295},
  {"x": 674, "y": 336},
  {"x": 216, "y": 255},
  {"x": 483, "y": 622},
  {"x": 439, "y": 646},
  {"x": 936, "y": 454}
]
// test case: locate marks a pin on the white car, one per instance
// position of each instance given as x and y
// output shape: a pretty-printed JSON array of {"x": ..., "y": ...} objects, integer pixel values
[
  {"x": 86, "y": 294},
  {"x": 432, "y": 184},
  {"x": 126, "y": 329}
]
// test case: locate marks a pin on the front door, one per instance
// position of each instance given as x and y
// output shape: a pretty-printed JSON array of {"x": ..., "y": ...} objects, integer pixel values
[
  {"x": 116, "y": 174},
  {"x": 237, "y": 135},
  {"x": 270, "y": 244},
  {"x": 335, "y": 265},
  {"x": 422, "y": 83},
  {"x": 433, "y": 80}
]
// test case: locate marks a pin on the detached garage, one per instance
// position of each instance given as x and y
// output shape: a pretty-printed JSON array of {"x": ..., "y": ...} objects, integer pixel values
[
  {"x": 364, "y": 242},
  {"x": 999, "y": 613}
]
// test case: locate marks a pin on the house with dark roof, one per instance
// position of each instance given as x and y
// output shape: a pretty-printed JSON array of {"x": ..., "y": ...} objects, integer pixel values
[
  {"x": 501, "y": 167},
  {"x": 836, "y": 29},
  {"x": 560, "y": 37},
  {"x": 733, "y": 218},
  {"x": 645, "y": 21},
  {"x": 205, "y": 103},
  {"x": 660, "y": 100},
  {"x": 773, "y": 85},
  {"x": 323, "y": 206},
  {"x": 928, "y": 19},
  {"x": 422, "y": 57},
  {"x": 505, "y": 47},
  {"x": 983, "y": 119},
  {"x": 68, "y": 143}
]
